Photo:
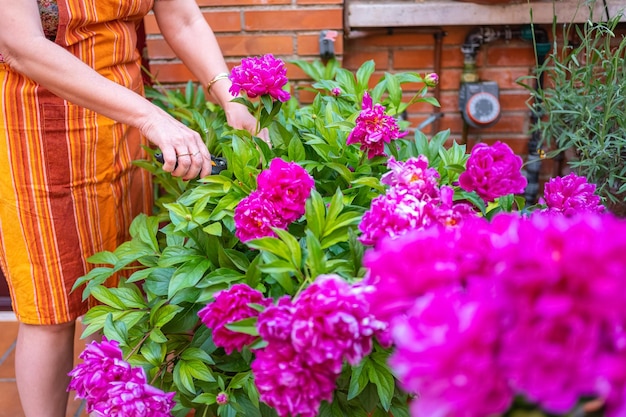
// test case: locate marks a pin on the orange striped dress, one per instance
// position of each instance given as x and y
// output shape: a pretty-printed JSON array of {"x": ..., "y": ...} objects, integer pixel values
[{"x": 68, "y": 188}]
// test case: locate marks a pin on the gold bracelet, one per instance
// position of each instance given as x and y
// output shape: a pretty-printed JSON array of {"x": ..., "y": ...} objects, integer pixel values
[{"x": 220, "y": 76}]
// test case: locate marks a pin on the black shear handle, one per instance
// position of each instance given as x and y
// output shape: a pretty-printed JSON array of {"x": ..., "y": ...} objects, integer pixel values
[{"x": 218, "y": 164}]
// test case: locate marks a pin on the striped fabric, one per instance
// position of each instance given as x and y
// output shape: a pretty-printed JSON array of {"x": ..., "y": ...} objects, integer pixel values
[{"x": 68, "y": 187}]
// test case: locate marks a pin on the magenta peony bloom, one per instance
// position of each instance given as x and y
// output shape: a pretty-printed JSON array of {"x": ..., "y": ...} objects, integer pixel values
[
  {"x": 275, "y": 322},
  {"x": 288, "y": 384},
  {"x": 493, "y": 171},
  {"x": 414, "y": 175},
  {"x": 258, "y": 76},
  {"x": 392, "y": 215},
  {"x": 255, "y": 216},
  {"x": 229, "y": 306},
  {"x": 571, "y": 194},
  {"x": 102, "y": 363},
  {"x": 374, "y": 128},
  {"x": 113, "y": 388},
  {"x": 447, "y": 351},
  {"x": 308, "y": 340},
  {"x": 132, "y": 399},
  {"x": 564, "y": 282},
  {"x": 287, "y": 186},
  {"x": 404, "y": 269},
  {"x": 331, "y": 322}
]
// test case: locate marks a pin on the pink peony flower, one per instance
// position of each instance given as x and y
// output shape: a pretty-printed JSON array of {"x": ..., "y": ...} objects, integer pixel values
[
  {"x": 563, "y": 280},
  {"x": 102, "y": 363},
  {"x": 288, "y": 384},
  {"x": 229, "y": 306},
  {"x": 331, "y": 322},
  {"x": 446, "y": 352},
  {"x": 308, "y": 340},
  {"x": 493, "y": 171},
  {"x": 255, "y": 216},
  {"x": 422, "y": 261},
  {"x": 414, "y": 175},
  {"x": 258, "y": 76},
  {"x": 133, "y": 399},
  {"x": 275, "y": 322},
  {"x": 571, "y": 194},
  {"x": 287, "y": 186},
  {"x": 374, "y": 128},
  {"x": 113, "y": 388},
  {"x": 392, "y": 215}
]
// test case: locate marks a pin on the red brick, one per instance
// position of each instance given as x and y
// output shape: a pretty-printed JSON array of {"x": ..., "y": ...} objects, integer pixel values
[
  {"x": 354, "y": 60},
  {"x": 420, "y": 59},
  {"x": 311, "y": 2},
  {"x": 221, "y": 3},
  {"x": 249, "y": 45},
  {"x": 171, "y": 72},
  {"x": 220, "y": 21},
  {"x": 301, "y": 19},
  {"x": 509, "y": 55}
]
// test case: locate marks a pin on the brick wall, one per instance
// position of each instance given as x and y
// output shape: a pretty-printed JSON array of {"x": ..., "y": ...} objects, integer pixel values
[{"x": 290, "y": 29}]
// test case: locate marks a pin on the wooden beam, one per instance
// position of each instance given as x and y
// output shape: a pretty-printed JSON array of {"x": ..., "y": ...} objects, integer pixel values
[{"x": 390, "y": 14}]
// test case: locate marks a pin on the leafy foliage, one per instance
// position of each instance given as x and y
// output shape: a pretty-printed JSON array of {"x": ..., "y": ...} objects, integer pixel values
[
  {"x": 187, "y": 251},
  {"x": 582, "y": 105}
]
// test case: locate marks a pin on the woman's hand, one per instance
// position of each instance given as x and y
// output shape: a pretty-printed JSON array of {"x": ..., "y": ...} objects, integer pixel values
[
  {"x": 238, "y": 117},
  {"x": 185, "y": 154}
]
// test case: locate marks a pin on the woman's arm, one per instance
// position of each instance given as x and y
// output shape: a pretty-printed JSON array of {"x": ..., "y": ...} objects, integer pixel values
[
  {"x": 26, "y": 50},
  {"x": 186, "y": 31}
]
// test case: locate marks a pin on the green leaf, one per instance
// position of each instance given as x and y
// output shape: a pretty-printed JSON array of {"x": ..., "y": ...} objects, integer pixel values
[
  {"x": 188, "y": 275},
  {"x": 183, "y": 377},
  {"x": 107, "y": 296},
  {"x": 272, "y": 245},
  {"x": 164, "y": 314},
  {"x": 315, "y": 214},
  {"x": 246, "y": 326},
  {"x": 115, "y": 330}
]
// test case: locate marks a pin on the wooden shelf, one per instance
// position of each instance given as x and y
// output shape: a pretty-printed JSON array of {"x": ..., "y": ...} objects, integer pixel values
[{"x": 363, "y": 14}]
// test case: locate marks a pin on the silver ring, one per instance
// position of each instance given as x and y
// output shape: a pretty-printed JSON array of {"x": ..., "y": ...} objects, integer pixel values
[{"x": 188, "y": 154}]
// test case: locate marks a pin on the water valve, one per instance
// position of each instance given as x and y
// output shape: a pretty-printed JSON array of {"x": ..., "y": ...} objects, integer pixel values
[{"x": 327, "y": 44}]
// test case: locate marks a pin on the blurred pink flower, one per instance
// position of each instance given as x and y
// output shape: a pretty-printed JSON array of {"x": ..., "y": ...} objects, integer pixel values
[
  {"x": 564, "y": 280},
  {"x": 102, "y": 363},
  {"x": 374, "y": 128},
  {"x": 493, "y": 171},
  {"x": 258, "y": 76},
  {"x": 336, "y": 92},
  {"x": 446, "y": 352},
  {"x": 571, "y": 194},
  {"x": 229, "y": 306},
  {"x": 404, "y": 269},
  {"x": 275, "y": 322}
]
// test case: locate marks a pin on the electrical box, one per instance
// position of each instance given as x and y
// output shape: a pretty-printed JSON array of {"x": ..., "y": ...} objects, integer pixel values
[{"x": 479, "y": 103}]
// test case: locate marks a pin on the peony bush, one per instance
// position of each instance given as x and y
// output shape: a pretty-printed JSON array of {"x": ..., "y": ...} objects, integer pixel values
[{"x": 354, "y": 267}]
